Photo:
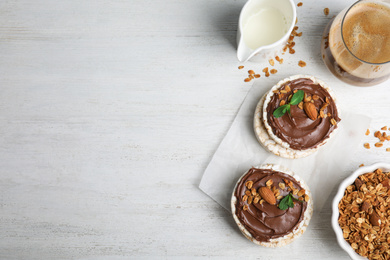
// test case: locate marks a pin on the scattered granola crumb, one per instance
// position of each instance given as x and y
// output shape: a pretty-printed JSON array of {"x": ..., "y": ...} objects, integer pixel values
[
  {"x": 361, "y": 165},
  {"x": 299, "y": 4},
  {"x": 240, "y": 67},
  {"x": 251, "y": 72},
  {"x": 271, "y": 62},
  {"x": 257, "y": 75},
  {"x": 384, "y": 128},
  {"x": 368, "y": 132},
  {"x": 367, "y": 145},
  {"x": 301, "y": 63},
  {"x": 265, "y": 70},
  {"x": 326, "y": 11},
  {"x": 379, "y": 144},
  {"x": 273, "y": 71},
  {"x": 279, "y": 59},
  {"x": 247, "y": 79}
]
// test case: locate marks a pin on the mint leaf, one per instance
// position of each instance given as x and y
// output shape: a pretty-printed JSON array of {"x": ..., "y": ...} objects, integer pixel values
[
  {"x": 287, "y": 202},
  {"x": 297, "y": 97},
  {"x": 280, "y": 111},
  {"x": 288, "y": 109}
]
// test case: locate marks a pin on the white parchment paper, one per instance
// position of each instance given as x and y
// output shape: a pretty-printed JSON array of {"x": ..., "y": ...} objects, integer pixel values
[{"x": 240, "y": 150}]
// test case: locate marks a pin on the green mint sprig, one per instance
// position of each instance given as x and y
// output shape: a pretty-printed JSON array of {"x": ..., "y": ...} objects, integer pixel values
[
  {"x": 295, "y": 100},
  {"x": 287, "y": 202}
]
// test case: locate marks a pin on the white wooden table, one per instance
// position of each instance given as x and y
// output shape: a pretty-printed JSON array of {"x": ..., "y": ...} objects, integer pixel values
[{"x": 110, "y": 112}]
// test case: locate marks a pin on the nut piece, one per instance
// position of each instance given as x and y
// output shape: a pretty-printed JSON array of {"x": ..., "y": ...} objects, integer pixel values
[
  {"x": 358, "y": 183},
  {"x": 249, "y": 184},
  {"x": 375, "y": 220},
  {"x": 365, "y": 206},
  {"x": 326, "y": 11},
  {"x": 310, "y": 110},
  {"x": 386, "y": 183},
  {"x": 301, "y": 63},
  {"x": 267, "y": 195}
]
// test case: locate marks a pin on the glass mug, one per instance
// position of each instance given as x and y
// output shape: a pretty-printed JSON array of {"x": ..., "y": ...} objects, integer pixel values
[{"x": 356, "y": 43}]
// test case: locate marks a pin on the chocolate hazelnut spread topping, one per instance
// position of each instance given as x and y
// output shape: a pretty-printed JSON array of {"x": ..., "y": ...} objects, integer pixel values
[
  {"x": 297, "y": 128},
  {"x": 263, "y": 220}
]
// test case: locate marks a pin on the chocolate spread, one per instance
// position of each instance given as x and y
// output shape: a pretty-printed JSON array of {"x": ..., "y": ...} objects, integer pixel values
[
  {"x": 297, "y": 129},
  {"x": 265, "y": 221}
]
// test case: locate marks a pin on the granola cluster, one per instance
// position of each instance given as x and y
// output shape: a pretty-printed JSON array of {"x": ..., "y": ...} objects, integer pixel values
[
  {"x": 306, "y": 100},
  {"x": 365, "y": 215},
  {"x": 272, "y": 193}
]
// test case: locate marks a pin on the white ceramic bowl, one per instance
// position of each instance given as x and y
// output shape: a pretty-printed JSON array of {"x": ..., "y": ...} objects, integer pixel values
[{"x": 335, "y": 205}]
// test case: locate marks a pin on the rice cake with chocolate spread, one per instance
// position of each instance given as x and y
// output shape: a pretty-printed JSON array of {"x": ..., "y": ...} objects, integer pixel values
[
  {"x": 266, "y": 224},
  {"x": 296, "y": 135}
]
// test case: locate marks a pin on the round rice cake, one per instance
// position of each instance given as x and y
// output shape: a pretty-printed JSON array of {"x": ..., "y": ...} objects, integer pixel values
[
  {"x": 295, "y": 134},
  {"x": 263, "y": 222}
]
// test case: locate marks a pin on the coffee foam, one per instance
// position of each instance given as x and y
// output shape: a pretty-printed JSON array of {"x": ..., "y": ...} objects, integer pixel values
[{"x": 366, "y": 32}]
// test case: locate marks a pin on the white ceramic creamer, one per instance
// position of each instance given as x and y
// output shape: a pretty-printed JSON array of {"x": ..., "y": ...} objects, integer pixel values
[{"x": 264, "y": 27}]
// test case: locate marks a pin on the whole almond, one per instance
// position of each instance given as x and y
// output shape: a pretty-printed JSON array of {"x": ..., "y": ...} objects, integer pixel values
[
  {"x": 375, "y": 220},
  {"x": 310, "y": 110},
  {"x": 358, "y": 183},
  {"x": 365, "y": 206},
  {"x": 267, "y": 195},
  {"x": 386, "y": 183}
]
